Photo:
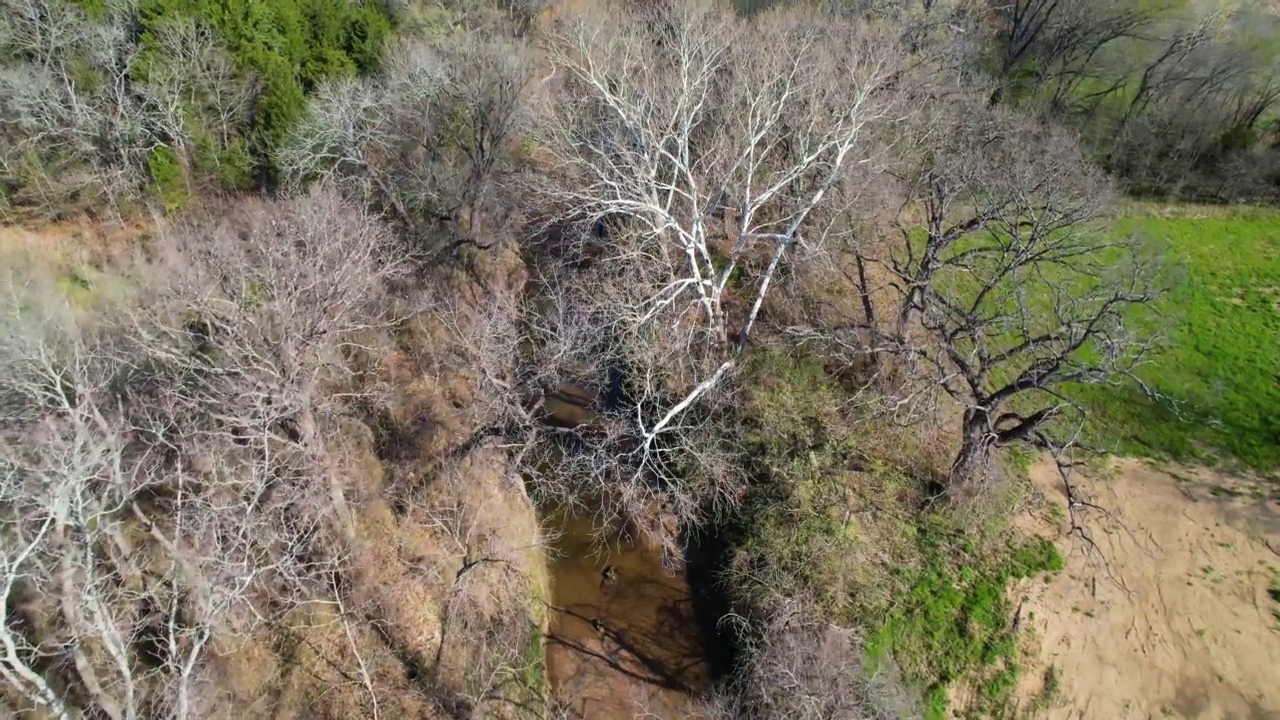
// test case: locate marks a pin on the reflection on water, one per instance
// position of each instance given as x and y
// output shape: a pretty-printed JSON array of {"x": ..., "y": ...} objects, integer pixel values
[{"x": 623, "y": 639}]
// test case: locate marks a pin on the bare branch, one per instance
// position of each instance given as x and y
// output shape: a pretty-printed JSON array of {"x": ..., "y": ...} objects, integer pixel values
[{"x": 697, "y": 156}]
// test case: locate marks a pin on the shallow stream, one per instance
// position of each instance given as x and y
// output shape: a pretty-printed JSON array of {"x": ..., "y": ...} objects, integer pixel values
[{"x": 624, "y": 636}]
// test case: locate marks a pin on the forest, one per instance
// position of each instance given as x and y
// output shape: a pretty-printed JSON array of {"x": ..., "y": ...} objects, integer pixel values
[{"x": 325, "y": 324}]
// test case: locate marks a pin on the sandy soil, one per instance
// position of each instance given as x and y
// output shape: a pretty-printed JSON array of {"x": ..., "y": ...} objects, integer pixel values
[
  {"x": 625, "y": 647},
  {"x": 1180, "y": 615}
]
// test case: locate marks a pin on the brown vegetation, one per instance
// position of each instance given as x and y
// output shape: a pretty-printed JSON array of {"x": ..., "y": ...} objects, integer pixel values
[
  {"x": 187, "y": 488},
  {"x": 808, "y": 267}
]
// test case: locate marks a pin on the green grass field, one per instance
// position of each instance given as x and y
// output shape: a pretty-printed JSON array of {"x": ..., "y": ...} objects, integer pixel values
[{"x": 1221, "y": 363}]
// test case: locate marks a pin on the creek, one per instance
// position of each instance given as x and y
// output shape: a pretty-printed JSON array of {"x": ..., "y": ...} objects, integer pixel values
[{"x": 627, "y": 633}]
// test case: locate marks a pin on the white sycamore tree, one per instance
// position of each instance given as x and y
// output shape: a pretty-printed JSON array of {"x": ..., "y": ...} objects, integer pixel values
[{"x": 693, "y": 156}]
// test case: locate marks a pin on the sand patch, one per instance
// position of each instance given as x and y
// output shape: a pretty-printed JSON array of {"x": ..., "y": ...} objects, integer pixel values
[{"x": 1182, "y": 620}]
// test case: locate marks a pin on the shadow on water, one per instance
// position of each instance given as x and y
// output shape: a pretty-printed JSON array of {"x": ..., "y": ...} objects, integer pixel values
[
  {"x": 627, "y": 634},
  {"x": 706, "y": 557}
]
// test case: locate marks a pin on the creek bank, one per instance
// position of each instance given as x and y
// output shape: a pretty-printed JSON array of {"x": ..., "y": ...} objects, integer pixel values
[{"x": 1176, "y": 613}]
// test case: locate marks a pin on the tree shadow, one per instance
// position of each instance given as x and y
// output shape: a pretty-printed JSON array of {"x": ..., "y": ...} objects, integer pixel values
[{"x": 664, "y": 653}]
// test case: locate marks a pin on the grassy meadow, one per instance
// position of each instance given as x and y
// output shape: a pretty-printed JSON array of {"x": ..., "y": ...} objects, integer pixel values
[{"x": 1218, "y": 374}]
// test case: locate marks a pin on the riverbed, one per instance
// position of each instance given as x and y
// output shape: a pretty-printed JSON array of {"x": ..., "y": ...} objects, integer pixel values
[{"x": 626, "y": 642}]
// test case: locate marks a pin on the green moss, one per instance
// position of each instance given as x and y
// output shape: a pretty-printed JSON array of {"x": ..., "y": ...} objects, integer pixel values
[
  {"x": 535, "y": 681},
  {"x": 1036, "y": 556},
  {"x": 953, "y": 623}
]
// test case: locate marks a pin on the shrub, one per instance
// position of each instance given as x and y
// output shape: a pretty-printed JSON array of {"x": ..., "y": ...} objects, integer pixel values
[
  {"x": 854, "y": 536},
  {"x": 169, "y": 181}
]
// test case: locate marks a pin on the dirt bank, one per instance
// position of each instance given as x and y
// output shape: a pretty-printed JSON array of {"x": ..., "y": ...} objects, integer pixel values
[{"x": 1178, "y": 618}]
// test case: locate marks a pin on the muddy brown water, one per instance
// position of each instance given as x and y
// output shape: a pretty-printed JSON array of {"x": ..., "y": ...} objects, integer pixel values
[
  {"x": 626, "y": 643},
  {"x": 625, "y": 635}
]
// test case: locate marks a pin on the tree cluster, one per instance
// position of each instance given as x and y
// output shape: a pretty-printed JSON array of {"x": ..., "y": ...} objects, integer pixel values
[
  {"x": 685, "y": 189},
  {"x": 173, "y": 469},
  {"x": 106, "y": 103},
  {"x": 1176, "y": 98},
  {"x": 427, "y": 141}
]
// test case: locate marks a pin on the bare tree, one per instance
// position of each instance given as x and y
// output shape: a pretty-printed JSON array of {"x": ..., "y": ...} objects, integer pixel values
[
  {"x": 1006, "y": 289},
  {"x": 1193, "y": 104},
  {"x": 71, "y": 126},
  {"x": 342, "y": 138},
  {"x": 66, "y": 484},
  {"x": 524, "y": 14},
  {"x": 696, "y": 156},
  {"x": 427, "y": 140},
  {"x": 84, "y": 112},
  {"x": 193, "y": 88},
  {"x": 1055, "y": 42},
  {"x": 171, "y": 469},
  {"x": 1164, "y": 93},
  {"x": 475, "y": 115}
]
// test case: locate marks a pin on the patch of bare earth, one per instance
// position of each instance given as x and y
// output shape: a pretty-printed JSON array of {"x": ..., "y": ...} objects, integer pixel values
[{"x": 1178, "y": 615}]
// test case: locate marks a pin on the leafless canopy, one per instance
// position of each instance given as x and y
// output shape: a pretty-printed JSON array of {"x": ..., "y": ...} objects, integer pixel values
[
  {"x": 77, "y": 128},
  {"x": 802, "y": 668},
  {"x": 695, "y": 156},
  {"x": 1171, "y": 95},
  {"x": 170, "y": 471},
  {"x": 1006, "y": 290},
  {"x": 427, "y": 140}
]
